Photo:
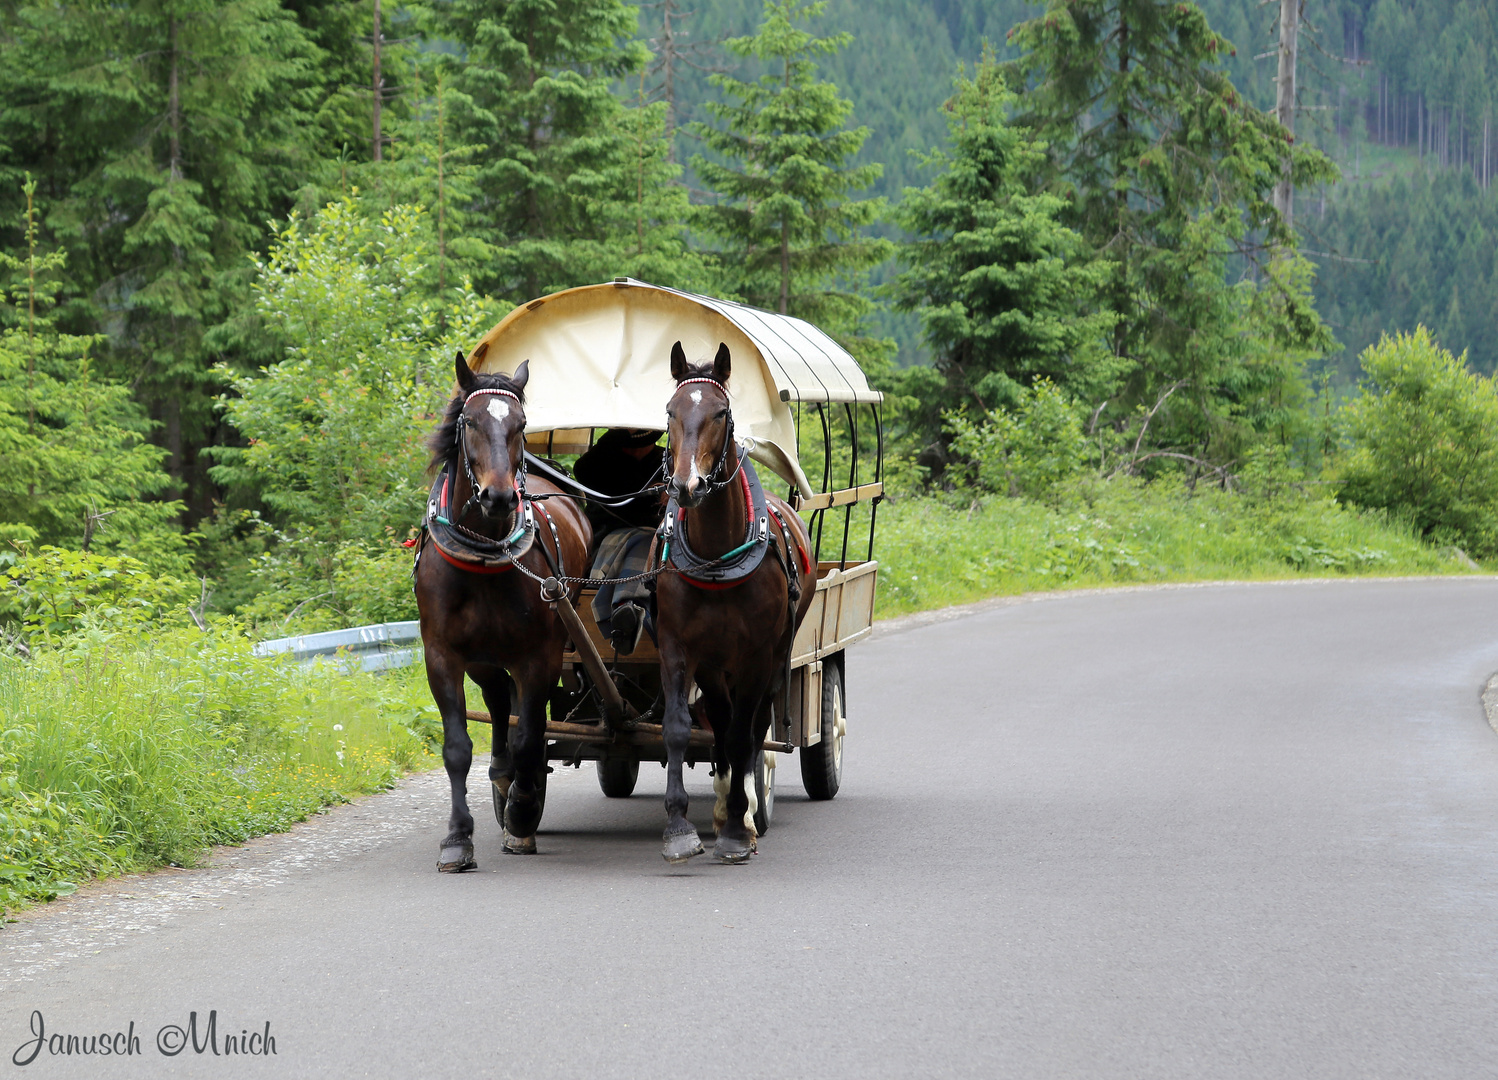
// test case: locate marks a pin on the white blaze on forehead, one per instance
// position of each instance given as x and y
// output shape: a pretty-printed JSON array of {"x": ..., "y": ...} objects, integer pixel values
[
  {"x": 498, "y": 408},
  {"x": 696, "y": 397}
]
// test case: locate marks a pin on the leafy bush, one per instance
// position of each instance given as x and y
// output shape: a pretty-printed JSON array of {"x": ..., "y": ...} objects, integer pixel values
[
  {"x": 1424, "y": 442},
  {"x": 55, "y": 591},
  {"x": 1029, "y": 450},
  {"x": 335, "y": 430}
]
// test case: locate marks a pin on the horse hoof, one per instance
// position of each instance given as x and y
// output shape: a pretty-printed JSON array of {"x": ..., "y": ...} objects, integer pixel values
[
  {"x": 729, "y": 850},
  {"x": 682, "y": 846},
  {"x": 519, "y": 845},
  {"x": 456, "y": 858},
  {"x": 522, "y": 819}
]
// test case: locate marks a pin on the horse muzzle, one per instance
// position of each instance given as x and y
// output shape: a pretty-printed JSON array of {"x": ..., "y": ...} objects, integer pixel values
[
  {"x": 687, "y": 493},
  {"x": 497, "y": 501}
]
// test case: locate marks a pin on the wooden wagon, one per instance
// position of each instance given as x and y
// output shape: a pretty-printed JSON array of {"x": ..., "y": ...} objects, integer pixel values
[{"x": 599, "y": 359}]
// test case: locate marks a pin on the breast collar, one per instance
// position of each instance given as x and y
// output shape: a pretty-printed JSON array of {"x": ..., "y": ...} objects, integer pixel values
[
  {"x": 728, "y": 570},
  {"x": 471, "y": 551}
]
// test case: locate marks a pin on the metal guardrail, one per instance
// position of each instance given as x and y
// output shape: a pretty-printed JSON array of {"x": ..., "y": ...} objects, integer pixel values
[{"x": 370, "y": 648}]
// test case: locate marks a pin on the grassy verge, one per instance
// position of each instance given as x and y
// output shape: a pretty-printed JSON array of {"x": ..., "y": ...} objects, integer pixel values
[
  {"x": 934, "y": 552},
  {"x": 123, "y": 753}
]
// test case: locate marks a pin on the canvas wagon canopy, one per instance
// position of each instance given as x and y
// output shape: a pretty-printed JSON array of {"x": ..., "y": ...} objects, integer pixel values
[{"x": 600, "y": 358}]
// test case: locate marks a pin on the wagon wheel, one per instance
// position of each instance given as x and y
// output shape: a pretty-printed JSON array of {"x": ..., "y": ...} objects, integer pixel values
[
  {"x": 498, "y": 797},
  {"x": 822, "y": 764},
  {"x": 617, "y": 776},
  {"x": 764, "y": 790}
]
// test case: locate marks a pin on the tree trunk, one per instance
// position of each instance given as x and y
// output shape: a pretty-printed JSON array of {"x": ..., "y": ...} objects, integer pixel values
[
  {"x": 1284, "y": 191},
  {"x": 379, "y": 82},
  {"x": 173, "y": 109}
]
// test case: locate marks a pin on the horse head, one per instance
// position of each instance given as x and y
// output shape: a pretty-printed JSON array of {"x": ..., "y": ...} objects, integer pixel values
[
  {"x": 485, "y": 433},
  {"x": 699, "y": 427}
]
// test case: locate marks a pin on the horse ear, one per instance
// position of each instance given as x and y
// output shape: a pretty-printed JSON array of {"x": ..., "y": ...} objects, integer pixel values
[
  {"x": 678, "y": 362},
  {"x": 466, "y": 380},
  {"x": 522, "y": 375},
  {"x": 722, "y": 365}
]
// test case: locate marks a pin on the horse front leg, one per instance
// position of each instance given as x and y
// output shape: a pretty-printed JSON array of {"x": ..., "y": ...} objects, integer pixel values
[
  {"x": 527, "y": 794},
  {"x": 680, "y": 841},
  {"x": 445, "y": 678},
  {"x": 736, "y": 837}
]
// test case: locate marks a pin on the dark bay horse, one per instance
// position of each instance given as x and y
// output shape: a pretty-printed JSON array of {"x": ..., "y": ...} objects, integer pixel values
[
  {"x": 482, "y": 617},
  {"x": 734, "y": 639}
]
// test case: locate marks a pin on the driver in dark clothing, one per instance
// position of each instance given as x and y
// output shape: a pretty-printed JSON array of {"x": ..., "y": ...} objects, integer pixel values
[{"x": 622, "y": 461}]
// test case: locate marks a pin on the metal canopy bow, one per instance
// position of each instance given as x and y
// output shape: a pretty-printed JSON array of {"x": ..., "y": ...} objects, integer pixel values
[{"x": 600, "y": 358}]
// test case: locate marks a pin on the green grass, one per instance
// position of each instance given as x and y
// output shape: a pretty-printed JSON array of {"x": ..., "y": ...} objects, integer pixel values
[
  {"x": 123, "y": 753},
  {"x": 934, "y": 552}
]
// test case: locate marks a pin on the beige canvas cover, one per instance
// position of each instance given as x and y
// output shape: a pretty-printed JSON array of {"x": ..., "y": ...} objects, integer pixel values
[{"x": 600, "y": 357}]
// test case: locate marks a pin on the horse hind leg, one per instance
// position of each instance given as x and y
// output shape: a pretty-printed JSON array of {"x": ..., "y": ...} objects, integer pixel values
[
  {"x": 737, "y": 839},
  {"x": 498, "y": 691},
  {"x": 527, "y": 793}
]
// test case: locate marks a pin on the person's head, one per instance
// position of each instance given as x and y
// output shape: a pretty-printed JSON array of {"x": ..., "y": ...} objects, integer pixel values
[{"x": 638, "y": 443}]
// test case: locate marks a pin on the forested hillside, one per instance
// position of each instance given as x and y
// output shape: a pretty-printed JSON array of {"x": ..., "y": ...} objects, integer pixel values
[{"x": 239, "y": 237}]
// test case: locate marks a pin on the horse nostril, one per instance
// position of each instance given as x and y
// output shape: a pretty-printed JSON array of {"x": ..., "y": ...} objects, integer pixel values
[{"x": 494, "y": 498}]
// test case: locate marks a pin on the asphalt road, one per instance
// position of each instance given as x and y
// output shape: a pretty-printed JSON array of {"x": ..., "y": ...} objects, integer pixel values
[{"x": 1237, "y": 831}]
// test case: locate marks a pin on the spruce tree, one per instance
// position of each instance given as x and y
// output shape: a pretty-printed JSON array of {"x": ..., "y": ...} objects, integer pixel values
[
  {"x": 535, "y": 89},
  {"x": 168, "y": 131},
  {"x": 1005, "y": 292},
  {"x": 787, "y": 220},
  {"x": 73, "y": 454},
  {"x": 1171, "y": 173}
]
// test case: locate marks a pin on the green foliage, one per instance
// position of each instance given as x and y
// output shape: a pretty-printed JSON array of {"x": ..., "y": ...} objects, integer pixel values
[
  {"x": 335, "y": 429},
  {"x": 787, "y": 220},
  {"x": 1409, "y": 251},
  {"x": 1424, "y": 433},
  {"x": 56, "y": 591},
  {"x": 125, "y": 751},
  {"x": 169, "y": 131},
  {"x": 1029, "y": 450},
  {"x": 1006, "y": 293},
  {"x": 1172, "y": 172},
  {"x": 535, "y": 89},
  {"x": 71, "y": 443}
]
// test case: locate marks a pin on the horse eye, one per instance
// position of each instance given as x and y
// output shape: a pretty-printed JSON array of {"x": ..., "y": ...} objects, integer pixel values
[{"x": 721, "y": 415}]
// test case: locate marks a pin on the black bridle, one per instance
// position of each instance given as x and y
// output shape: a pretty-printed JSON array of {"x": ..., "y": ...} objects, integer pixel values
[
  {"x": 460, "y": 445},
  {"x": 714, "y": 481}
]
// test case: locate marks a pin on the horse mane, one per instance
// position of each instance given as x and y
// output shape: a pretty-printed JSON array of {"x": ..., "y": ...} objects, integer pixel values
[
  {"x": 700, "y": 371},
  {"x": 443, "y": 441}
]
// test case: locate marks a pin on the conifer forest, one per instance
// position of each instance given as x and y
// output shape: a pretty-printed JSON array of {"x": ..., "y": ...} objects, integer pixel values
[{"x": 1090, "y": 249}]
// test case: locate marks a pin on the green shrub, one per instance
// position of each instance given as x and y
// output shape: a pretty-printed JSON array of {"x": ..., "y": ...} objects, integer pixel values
[
  {"x": 1029, "y": 450},
  {"x": 54, "y": 590},
  {"x": 1424, "y": 442}
]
